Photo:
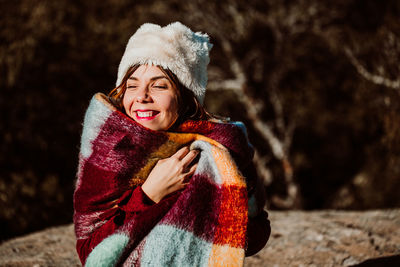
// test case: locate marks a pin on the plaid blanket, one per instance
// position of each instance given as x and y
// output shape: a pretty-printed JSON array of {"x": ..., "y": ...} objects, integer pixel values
[{"x": 202, "y": 225}]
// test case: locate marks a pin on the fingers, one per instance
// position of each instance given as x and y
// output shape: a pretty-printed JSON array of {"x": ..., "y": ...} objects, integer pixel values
[
  {"x": 192, "y": 170},
  {"x": 184, "y": 185},
  {"x": 186, "y": 160},
  {"x": 181, "y": 153},
  {"x": 189, "y": 174},
  {"x": 186, "y": 157}
]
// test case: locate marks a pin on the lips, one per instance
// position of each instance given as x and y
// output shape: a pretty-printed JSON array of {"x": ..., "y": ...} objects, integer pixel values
[{"x": 146, "y": 114}]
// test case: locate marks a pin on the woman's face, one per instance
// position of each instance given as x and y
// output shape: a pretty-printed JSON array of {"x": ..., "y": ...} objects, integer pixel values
[{"x": 151, "y": 99}]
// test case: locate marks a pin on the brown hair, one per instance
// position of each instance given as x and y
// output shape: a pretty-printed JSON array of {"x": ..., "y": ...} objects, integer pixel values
[{"x": 189, "y": 107}]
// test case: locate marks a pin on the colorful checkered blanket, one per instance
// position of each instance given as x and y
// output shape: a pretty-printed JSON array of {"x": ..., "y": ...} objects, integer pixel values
[{"x": 202, "y": 225}]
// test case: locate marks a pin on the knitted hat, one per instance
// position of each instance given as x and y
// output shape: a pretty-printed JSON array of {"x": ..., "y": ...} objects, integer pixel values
[{"x": 174, "y": 47}]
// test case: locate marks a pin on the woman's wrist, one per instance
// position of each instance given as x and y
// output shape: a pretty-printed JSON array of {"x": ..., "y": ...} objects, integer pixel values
[{"x": 150, "y": 194}]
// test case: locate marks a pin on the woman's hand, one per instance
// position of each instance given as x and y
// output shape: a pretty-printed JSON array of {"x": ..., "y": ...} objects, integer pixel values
[{"x": 170, "y": 174}]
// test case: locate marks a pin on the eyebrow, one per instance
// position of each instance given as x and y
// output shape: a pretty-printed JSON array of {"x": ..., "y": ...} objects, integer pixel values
[{"x": 152, "y": 79}]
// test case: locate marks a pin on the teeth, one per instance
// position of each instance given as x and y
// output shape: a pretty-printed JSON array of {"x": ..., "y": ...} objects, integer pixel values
[{"x": 145, "y": 114}]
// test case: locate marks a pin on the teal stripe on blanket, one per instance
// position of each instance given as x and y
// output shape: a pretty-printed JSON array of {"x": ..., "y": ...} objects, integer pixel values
[
  {"x": 206, "y": 162},
  {"x": 92, "y": 125},
  {"x": 181, "y": 248},
  {"x": 108, "y": 252}
]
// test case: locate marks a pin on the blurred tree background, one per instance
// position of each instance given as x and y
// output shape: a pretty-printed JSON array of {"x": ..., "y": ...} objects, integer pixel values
[{"x": 316, "y": 82}]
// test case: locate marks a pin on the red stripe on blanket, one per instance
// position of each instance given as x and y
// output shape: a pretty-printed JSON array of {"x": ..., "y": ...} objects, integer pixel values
[
  {"x": 124, "y": 146},
  {"x": 97, "y": 189},
  {"x": 197, "y": 208},
  {"x": 223, "y": 133},
  {"x": 233, "y": 217}
]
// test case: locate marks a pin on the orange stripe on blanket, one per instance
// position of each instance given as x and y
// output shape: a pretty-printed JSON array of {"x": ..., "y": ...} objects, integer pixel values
[
  {"x": 164, "y": 151},
  {"x": 228, "y": 170},
  {"x": 173, "y": 144},
  {"x": 224, "y": 256},
  {"x": 187, "y": 138}
]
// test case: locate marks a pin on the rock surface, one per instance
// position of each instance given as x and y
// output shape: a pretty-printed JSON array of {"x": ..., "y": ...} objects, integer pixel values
[
  {"x": 321, "y": 238},
  {"x": 331, "y": 238}
]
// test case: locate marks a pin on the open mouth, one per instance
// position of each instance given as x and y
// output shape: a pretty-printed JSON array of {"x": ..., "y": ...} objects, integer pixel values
[{"x": 146, "y": 114}]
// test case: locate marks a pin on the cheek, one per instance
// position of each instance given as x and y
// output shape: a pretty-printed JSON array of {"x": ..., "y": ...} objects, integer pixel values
[
  {"x": 127, "y": 101},
  {"x": 172, "y": 105},
  {"x": 167, "y": 102}
]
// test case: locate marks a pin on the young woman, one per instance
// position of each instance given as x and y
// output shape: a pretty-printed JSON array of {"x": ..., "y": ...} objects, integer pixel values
[{"x": 161, "y": 182}]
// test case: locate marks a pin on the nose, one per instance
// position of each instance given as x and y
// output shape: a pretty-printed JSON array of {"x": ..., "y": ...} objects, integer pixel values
[{"x": 143, "y": 94}]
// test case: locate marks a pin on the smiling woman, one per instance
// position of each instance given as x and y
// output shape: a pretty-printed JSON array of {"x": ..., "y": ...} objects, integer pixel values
[
  {"x": 189, "y": 106},
  {"x": 151, "y": 99},
  {"x": 161, "y": 182}
]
